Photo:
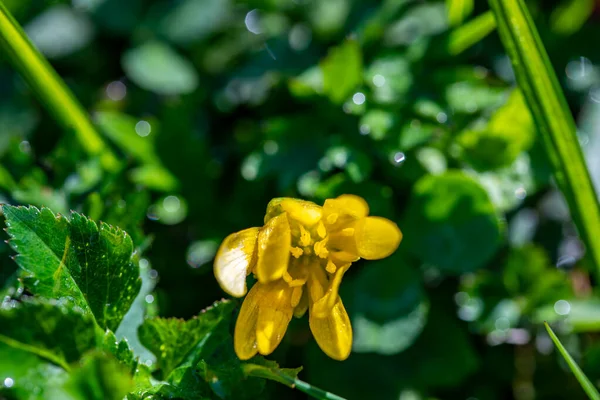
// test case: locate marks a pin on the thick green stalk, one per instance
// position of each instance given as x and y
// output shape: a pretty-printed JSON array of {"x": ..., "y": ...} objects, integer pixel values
[
  {"x": 50, "y": 88},
  {"x": 551, "y": 113}
]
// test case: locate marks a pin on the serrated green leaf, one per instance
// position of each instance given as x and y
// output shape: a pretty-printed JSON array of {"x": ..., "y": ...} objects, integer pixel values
[
  {"x": 100, "y": 377},
  {"x": 342, "y": 71},
  {"x": 120, "y": 350},
  {"x": 89, "y": 264},
  {"x": 49, "y": 328},
  {"x": 585, "y": 383},
  {"x": 174, "y": 340},
  {"x": 552, "y": 115}
]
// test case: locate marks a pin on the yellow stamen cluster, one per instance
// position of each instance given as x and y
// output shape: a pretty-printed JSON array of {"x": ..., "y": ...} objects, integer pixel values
[{"x": 299, "y": 258}]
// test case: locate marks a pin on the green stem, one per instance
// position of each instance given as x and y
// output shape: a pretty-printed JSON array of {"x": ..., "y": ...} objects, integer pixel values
[
  {"x": 50, "y": 88},
  {"x": 585, "y": 383},
  {"x": 277, "y": 375},
  {"x": 552, "y": 116}
]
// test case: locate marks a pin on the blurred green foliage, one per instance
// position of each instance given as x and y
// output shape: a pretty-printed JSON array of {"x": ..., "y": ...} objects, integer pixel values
[{"x": 214, "y": 107}]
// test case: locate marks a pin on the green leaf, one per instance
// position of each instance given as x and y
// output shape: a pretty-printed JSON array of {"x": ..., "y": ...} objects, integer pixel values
[
  {"x": 60, "y": 31},
  {"x": 468, "y": 34},
  {"x": 570, "y": 15},
  {"x": 51, "y": 329},
  {"x": 100, "y": 377},
  {"x": 224, "y": 373},
  {"x": 585, "y": 383},
  {"x": 376, "y": 123},
  {"x": 453, "y": 223},
  {"x": 136, "y": 138},
  {"x": 120, "y": 350},
  {"x": 391, "y": 336},
  {"x": 552, "y": 116},
  {"x": 529, "y": 274},
  {"x": 156, "y": 67},
  {"x": 30, "y": 376},
  {"x": 390, "y": 78},
  {"x": 509, "y": 132},
  {"x": 582, "y": 315},
  {"x": 458, "y": 11},
  {"x": 126, "y": 132},
  {"x": 342, "y": 71},
  {"x": 77, "y": 259},
  {"x": 182, "y": 25},
  {"x": 174, "y": 340}
]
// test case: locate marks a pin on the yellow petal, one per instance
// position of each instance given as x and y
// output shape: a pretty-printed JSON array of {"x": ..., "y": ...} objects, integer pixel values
[
  {"x": 347, "y": 204},
  {"x": 305, "y": 212},
  {"x": 341, "y": 212},
  {"x": 302, "y": 306},
  {"x": 376, "y": 237},
  {"x": 234, "y": 261},
  {"x": 323, "y": 307},
  {"x": 274, "y": 242},
  {"x": 244, "y": 337},
  {"x": 274, "y": 314},
  {"x": 333, "y": 333}
]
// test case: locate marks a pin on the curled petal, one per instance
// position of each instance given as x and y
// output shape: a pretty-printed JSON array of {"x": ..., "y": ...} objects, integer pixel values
[
  {"x": 333, "y": 332},
  {"x": 305, "y": 212},
  {"x": 274, "y": 242},
  {"x": 274, "y": 315},
  {"x": 342, "y": 211},
  {"x": 234, "y": 261},
  {"x": 244, "y": 338},
  {"x": 324, "y": 306},
  {"x": 376, "y": 237}
]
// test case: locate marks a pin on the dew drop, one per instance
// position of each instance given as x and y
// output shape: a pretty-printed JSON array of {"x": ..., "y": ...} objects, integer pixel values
[{"x": 399, "y": 158}]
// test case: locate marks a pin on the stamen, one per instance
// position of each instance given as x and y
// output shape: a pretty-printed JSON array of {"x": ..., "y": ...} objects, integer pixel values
[
  {"x": 348, "y": 232},
  {"x": 321, "y": 248},
  {"x": 305, "y": 239},
  {"x": 330, "y": 267},
  {"x": 321, "y": 231},
  {"x": 296, "y": 252}
]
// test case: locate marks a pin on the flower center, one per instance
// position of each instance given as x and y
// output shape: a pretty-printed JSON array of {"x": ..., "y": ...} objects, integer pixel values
[{"x": 306, "y": 242}]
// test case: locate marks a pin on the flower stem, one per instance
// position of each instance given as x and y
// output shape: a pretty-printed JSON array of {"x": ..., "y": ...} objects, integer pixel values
[{"x": 51, "y": 89}]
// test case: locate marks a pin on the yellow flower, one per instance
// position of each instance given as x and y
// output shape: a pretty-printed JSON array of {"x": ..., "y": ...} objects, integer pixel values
[{"x": 299, "y": 258}]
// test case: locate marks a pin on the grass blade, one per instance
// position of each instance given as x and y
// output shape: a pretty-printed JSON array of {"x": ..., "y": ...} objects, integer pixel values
[
  {"x": 585, "y": 383},
  {"x": 50, "y": 88},
  {"x": 551, "y": 113}
]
